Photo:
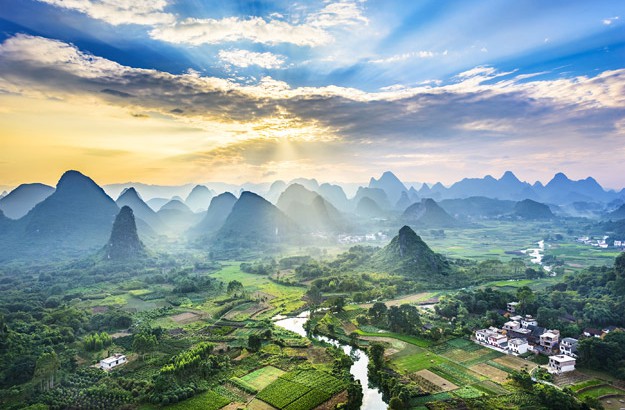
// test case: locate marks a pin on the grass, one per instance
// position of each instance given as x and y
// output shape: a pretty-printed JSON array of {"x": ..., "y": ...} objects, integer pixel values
[
  {"x": 600, "y": 390},
  {"x": 592, "y": 382},
  {"x": 404, "y": 338},
  {"x": 205, "y": 401},
  {"x": 262, "y": 377},
  {"x": 419, "y": 361}
]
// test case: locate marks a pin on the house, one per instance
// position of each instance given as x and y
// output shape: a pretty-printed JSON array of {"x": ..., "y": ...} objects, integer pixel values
[
  {"x": 592, "y": 332},
  {"x": 518, "y": 346},
  {"x": 512, "y": 307},
  {"x": 113, "y": 361},
  {"x": 549, "y": 340},
  {"x": 561, "y": 363},
  {"x": 482, "y": 335},
  {"x": 516, "y": 318},
  {"x": 568, "y": 346},
  {"x": 511, "y": 325},
  {"x": 528, "y": 320},
  {"x": 498, "y": 340},
  {"x": 609, "y": 329}
]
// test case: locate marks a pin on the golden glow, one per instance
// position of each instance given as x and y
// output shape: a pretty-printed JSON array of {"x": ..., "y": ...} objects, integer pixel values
[{"x": 41, "y": 138}]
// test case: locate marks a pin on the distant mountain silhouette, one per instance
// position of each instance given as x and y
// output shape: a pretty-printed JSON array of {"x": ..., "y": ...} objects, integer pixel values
[
  {"x": 157, "y": 203},
  {"x": 131, "y": 198},
  {"x": 335, "y": 195},
  {"x": 22, "y": 199},
  {"x": 403, "y": 202},
  {"x": 199, "y": 198},
  {"x": 378, "y": 195},
  {"x": 390, "y": 184},
  {"x": 78, "y": 216},
  {"x": 528, "y": 209},
  {"x": 427, "y": 213},
  {"x": 254, "y": 223},
  {"x": 368, "y": 208},
  {"x": 477, "y": 207},
  {"x": 407, "y": 254},
  {"x": 124, "y": 243},
  {"x": 218, "y": 211},
  {"x": 309, "y": 184},
  {"x": 561, "y": 189},
  {"x": 275, "y": 190},
  {"x": 310, "y": 210},
  {"x": 507, "y": 187},
  {"x": 178, "y": 217},
  {"x": 413, "y": 195}
]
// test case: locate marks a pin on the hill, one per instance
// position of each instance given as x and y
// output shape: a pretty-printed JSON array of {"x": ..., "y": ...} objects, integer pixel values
[
  {"x": 131, "y": 198},
  {"x": 617, "y": 214},
  {"x": 528, "y": 209},
  {"x": 199, "y": 198},
  {"x": 124, "y": 243},
  {"x": 310, "y": 210},
  {"x": 218, "y": 211},
  {"x": 77, "y": 217},
  {"x": 368, "y": 208},
  {"x": 254, "y": 223},
  {"x": 178, "y": 217},
  {"x": 22, "y": 199},
  {"x": 390, "y": 184},
  {"x": 408, "y": 255},
  {"x": 477, "y": 207},
  {"x": 428, "y": 213},
  {"x": 376, "y": 194}
]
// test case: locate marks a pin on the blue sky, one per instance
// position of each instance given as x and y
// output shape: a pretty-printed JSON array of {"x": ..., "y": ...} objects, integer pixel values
[{"x": 341, "y": 89}]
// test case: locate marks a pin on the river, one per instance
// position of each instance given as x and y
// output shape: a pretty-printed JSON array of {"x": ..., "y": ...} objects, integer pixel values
[
  {"x": 372, "y": 397},
  {"x": 536, "y": 255}
]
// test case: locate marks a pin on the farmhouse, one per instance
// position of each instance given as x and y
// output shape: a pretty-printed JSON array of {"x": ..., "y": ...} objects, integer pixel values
[
  {"x": 518, "y": 346},
  {"x": 549, "y": 340},
  {"x": 512, "y": 306},
  {"x": 528, "y": 320},
  {"x": 568, "y": 346},
  {"x": 511, "y": 325},
  {"x": 561, "y": 363},
  {"x": 591, "y": 332},
  {"x": 113, "y": 361}
]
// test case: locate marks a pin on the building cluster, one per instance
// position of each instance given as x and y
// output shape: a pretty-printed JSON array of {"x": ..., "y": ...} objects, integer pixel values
[
  {"x": 601, "y": 243},
  {"x": 522, "y": 334}
]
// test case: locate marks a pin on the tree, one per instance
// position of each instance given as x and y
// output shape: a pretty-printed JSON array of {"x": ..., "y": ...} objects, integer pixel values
[
  {"x": 254, "y": 343},
  {"x": 378, "y": 311},
  {"x": 46, "y": 368},
  {"x": 235, "y": 288},
  {"x": 314, "y": 295},
  {"x": 337, "y": 303},
  {"x": 396, "y": 404},
  {"x": 143, "y": 343},
  {"x": 526, "y": 297},
  {"x": 376, "y": 353}
]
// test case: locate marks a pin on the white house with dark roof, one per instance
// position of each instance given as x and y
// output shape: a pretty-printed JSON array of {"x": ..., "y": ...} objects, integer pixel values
[
  {"x": 528, "y": 320},
  {"x": 561, "y": 363}
]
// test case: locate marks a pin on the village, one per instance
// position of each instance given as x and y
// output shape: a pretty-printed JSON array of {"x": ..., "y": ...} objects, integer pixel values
[{"x": 522, "y": 334}]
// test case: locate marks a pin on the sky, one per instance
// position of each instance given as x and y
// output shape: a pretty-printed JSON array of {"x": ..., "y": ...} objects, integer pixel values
[{"x": 177, "y": 91}]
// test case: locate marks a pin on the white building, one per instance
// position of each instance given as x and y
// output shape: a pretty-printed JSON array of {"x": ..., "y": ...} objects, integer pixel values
[
  {"x": 518, "y": 346},
  {"x": 568, "y": 346},
  {"x": 512, "y": 307},
  {"x": 511, "y": 325},
  {"x": 113, "y": 361},
  {"x": 561, "y": 363},
  {"x": 528, "y": 320}
]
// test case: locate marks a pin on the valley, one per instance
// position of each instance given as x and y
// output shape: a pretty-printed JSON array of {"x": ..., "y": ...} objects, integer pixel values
[{"x": 253, "y": 305}]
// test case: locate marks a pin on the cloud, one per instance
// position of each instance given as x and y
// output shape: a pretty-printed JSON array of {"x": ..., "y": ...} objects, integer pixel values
[
  {"x": 343, "y": 14},
  {"x": 195, "y": 32},
  {"x": 245, "y": 58},
  {"x": 116, "y": 12},
  {"x": 403, "y": 57},
  {"x": 481, "y": 111},
  {"x": 610, "y": 20}
]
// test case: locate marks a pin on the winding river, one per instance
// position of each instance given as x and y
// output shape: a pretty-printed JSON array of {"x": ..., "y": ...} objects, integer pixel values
[{"x": 372, "y": 397}]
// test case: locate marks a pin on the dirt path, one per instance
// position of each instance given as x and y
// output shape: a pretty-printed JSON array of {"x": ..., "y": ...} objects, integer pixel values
[{"x": 417, "y": 298}]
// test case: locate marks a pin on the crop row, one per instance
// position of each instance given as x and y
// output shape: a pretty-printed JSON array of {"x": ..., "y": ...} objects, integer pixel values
[
  {"x": 282, "y": 392},
  {"x": 243, "y": 385}
]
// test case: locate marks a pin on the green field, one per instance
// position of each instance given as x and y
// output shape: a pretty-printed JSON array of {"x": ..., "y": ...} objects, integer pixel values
[
  {"x": 262, "y": 377},
  {"x": 301, "y": 390},
  {"x": 598, "y": 391}
]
